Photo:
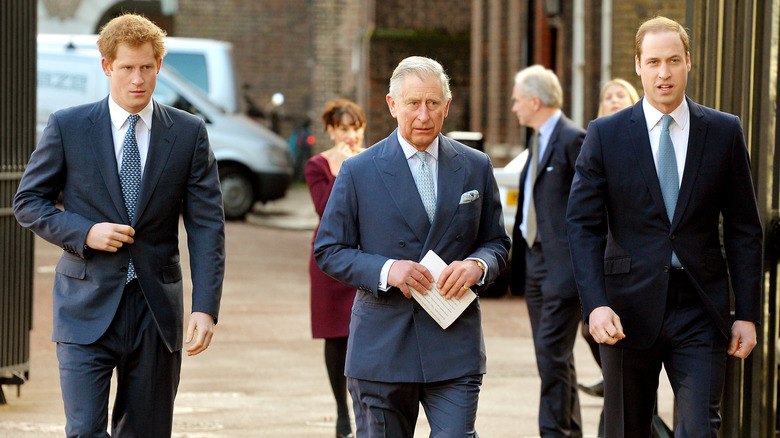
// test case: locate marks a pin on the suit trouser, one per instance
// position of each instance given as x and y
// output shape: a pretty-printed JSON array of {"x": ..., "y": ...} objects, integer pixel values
[
  {"x": 555, "y": 322},
  {"x": 692, "y": 350},
  {"x": 147, "y": 376},
  {"x": 389, "y": 410}
]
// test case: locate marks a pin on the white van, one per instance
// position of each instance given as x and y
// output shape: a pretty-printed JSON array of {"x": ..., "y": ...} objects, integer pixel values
[
  {"x": 207, "y": 64},
  {"x": 253, "y": 161}
]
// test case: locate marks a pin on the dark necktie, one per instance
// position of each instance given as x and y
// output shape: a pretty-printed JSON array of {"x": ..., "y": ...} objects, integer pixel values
[
  {"x": 425, "y": 186},
  {"x": 130, "y": 178},
  {"x": 667, "y": 175},
  {"x": 530, "y": 220}
]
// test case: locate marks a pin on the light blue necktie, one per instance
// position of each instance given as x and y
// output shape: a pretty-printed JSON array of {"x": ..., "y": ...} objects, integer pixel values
[
  {"x": 425, "y": 186},
  {"x": 130, "y": 178},
  {"x": 667, "y": 175}
]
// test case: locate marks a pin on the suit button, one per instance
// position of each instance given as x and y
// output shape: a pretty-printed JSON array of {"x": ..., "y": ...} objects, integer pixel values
[
  {"x": 401, "y": 243},
  {"x": 458, "y": 237},
  {"x": 123, "y": 269},
  {"x": 672, "y": 237},
  {"x": 666, "y": 269}
]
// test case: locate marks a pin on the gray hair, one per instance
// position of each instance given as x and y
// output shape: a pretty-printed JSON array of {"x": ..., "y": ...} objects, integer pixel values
[
  {"x": 537, "y": 81},
  {"x": 423, "y": 68}
]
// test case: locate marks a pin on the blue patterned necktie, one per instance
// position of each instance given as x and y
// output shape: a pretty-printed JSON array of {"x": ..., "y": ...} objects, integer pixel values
[
  {"x": 425, "y": 186},
  {"x": 130, "y": 178},
  {"x": 668, "y": 176}
]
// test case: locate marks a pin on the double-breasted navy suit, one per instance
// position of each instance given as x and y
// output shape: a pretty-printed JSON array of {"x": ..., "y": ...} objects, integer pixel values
[
  {"x": 375, "y": 214},
  {"x": 76, "y": 156}
]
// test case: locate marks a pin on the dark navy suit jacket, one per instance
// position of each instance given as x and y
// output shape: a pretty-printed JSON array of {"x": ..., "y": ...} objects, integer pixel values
[
  {"x": 375, "y": 214},
  {"x": 76, "y": 156},
  {"x": 554, "y": 174},
  {"x": 622, "y": 240}
]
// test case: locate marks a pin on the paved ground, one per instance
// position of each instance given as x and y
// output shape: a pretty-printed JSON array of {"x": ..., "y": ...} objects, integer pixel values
[{"x": 263, "y": 375}]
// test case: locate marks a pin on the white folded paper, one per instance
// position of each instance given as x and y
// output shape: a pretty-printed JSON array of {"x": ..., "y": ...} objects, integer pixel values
[{"x": 442, "y": 310}]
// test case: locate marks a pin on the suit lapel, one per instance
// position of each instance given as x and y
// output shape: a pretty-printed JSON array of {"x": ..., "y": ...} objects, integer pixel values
[
  {"x": 160, "y": 146},
  {"x": 101, "y": 141},
  {"x": 548, "y": 151},
  {"x": 450, "y": 187},
  {"x": 640, "y": 142},
  {"x": 397, "y": 178},
  {"x": 696, "y": 137}
]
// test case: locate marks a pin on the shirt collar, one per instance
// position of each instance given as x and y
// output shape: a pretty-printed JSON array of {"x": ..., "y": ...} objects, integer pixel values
[
  {"x": 409, "y": 150},
  {"x": 545, "y": 131},
  {"x": 119, "y": 115},
  {"x": 680, "y": 115}
]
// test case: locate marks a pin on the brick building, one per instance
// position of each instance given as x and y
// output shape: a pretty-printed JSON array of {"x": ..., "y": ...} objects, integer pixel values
[{"x": 313, "y": 51}]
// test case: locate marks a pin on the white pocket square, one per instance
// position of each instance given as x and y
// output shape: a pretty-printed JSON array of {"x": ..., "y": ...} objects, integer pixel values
[{"x": 469, "y": 197}]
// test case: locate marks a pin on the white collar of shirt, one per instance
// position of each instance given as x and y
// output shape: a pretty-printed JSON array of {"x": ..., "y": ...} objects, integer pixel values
[
  {"x": 120, "y": 124},
  {"x": 678, "y": 131},
  {"x": 410, "y": 152}
]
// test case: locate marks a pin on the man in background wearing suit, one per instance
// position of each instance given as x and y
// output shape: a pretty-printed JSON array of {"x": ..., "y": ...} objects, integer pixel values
[
  {"x": 540, "y": 252},
  {"x": 412, "y": 192},
  {"x": 652, "y": 183},
  {"x": 127, "y": 168}
]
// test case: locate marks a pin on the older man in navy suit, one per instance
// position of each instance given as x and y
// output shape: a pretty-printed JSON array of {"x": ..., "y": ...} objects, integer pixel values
[
  {"x": 652, "y": 185},
  {"x": 127, "y": 168},
  {"x": 540, "y": 252},
  {"x": 389, "y": 206}
]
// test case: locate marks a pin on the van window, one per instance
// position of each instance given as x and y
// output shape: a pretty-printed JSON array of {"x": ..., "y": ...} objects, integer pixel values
[
  {"x": 192, "y": 66},
  {"x": 163, "y": 93}
]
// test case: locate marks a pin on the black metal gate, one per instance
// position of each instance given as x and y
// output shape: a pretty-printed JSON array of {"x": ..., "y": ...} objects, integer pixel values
[
  {"x": 17, "y": 139},
  {"x": 735, "y": 59}
]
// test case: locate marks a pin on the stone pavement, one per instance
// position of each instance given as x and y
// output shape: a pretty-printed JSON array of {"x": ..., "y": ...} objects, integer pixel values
[{"x": 263, "y": 375}]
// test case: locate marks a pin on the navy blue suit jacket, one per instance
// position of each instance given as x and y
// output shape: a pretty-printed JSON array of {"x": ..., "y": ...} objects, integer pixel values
[
  {"x": 375, "y": 214},
  {"x": 622, "y": 240},
  {"x": 75, "y": 156},
  {"x": 554, "y": 174}
]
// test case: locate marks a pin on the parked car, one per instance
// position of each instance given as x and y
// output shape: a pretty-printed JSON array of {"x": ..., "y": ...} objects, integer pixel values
[
  {"x": 253, "y": 161},
  {"x": 508, "y": 180},
  {"x": 207, "y": 64}
]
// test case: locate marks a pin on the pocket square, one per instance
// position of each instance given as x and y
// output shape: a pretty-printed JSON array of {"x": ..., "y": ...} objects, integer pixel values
[{"x": 470, "y": 196}]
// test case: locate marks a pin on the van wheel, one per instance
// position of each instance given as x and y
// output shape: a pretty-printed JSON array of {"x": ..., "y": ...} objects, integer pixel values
[{"x": 238, "y": 193}]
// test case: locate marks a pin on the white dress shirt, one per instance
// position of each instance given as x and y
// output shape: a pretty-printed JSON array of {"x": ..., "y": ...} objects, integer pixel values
[
  {"x": 679, "y": 131},
  {"x": 119, "y": 125}
]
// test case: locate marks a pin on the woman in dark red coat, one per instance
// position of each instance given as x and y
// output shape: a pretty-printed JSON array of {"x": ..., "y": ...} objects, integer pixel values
[{"x": 331, "y": 301}]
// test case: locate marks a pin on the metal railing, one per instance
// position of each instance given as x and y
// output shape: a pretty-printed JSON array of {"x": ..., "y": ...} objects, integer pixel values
[{"x": 17, "y": 137}]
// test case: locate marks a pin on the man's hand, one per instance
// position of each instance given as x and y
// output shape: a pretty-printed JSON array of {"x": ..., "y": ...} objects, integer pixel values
[
  {"x": 605, "y": 326},
  {"x": 106, "y": 236},
  {"x": 743, "y": 339},
  {"x": 201, "y": 327},
  {"x": 406, "y": 273},
  {"x": 457, "y": 277}
]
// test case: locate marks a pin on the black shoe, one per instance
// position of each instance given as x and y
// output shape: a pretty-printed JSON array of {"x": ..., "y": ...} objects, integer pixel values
[{"x": 596, "y": 390}]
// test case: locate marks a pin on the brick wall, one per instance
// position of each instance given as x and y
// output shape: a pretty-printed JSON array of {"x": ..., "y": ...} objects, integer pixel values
[
  {"x": 627, "y": 15},
  {"x": 438, "y": 29},
  {"x": 271, "y": 41}
]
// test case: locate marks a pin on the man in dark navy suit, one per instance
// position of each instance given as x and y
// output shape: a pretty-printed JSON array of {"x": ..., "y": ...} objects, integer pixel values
[
  {"x": 412, "y": 192},
  {"x": 653, "y": 182},
  {"x": 540, "y": 252},
  {"x": 128, "y": 169}
]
